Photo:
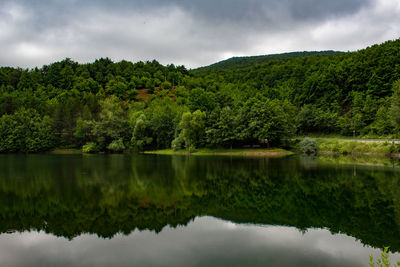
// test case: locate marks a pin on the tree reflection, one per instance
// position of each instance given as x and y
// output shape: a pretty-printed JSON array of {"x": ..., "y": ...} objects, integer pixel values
[{"x": 107, "y": 194}]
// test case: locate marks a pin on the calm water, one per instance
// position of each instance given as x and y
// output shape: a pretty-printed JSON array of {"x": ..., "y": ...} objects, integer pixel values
[{"x": 129, "y": 210}]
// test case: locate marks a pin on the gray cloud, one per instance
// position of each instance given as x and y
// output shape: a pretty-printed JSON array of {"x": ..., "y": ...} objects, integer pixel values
[{"x": 193, "y": 33}]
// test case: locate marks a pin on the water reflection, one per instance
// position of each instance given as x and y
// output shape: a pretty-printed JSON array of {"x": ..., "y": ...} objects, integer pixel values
[
  {"x": 206, "y": 241},
  {"x": 123, "y": 197}
]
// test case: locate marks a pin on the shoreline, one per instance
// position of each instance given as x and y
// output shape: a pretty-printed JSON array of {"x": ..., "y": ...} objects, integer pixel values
[
  {"x": 257, "y": 152},
  {"x": 324, "y": 147},
  {"x": 227, "y": 152}
]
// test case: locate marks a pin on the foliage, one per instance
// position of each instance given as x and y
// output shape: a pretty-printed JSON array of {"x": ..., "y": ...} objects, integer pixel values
[
  {"x": 116, "y": 145},
  {"x": 112, "y": 123},
  {"x": 191, "y": 129},
  {"x": 239, "y": 102},
  {"x": 308, "y": 146},
  {"x": 90, "y": 147},
  {"x": 383, "y": 261},
  {"x": 26, "y": 131},
  {"x": 140, "y": 135},
  {"x": 357, "y": 146},
  {"x": 395, "y": 107}
]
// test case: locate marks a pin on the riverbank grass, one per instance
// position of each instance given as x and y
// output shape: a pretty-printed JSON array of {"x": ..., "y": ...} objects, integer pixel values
[{"x": 356, "y": 147}]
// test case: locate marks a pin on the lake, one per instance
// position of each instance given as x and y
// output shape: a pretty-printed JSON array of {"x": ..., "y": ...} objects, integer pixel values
[{"x": 148, "y": 210}]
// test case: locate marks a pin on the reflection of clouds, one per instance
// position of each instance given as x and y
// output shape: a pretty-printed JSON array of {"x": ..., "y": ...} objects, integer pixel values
[
  {"x": 28, "y": 239},
  {"x": 230, "y": 225},
  {"x": 205, "y": 241}
]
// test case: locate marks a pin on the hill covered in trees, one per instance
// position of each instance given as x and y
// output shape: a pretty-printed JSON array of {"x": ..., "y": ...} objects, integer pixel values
[
  {"x": 107, "y": 106},
  {"x": 235, "y": 62}
]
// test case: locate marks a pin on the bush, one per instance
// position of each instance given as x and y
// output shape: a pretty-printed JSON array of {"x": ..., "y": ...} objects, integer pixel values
[
  {"x": 383, "y": 261},
  {"x": 131, "y": 94},
  {"x": 394, "y": 148},
  {"x": 90, "y": 147},
  {"x": 308, "y": 146},
  {"x": 347, "y": 147},
  {"x": 116, "y": 146},
  {"x": 166, "y": 85}
]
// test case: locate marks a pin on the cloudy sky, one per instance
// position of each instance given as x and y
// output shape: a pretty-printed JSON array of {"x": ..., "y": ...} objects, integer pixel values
[{"x": 189, "y": 32}]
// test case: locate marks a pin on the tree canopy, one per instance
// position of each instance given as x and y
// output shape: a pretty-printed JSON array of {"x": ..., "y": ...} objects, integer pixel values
[{"x": 112, "y": 106}]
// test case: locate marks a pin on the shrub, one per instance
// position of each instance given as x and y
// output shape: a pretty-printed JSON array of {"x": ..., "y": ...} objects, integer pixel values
[
  {"x": 335, "y": 147},
  {"x": 394, "y": 148},
  {"x": 90, "y": 147},
  {"x": 116, "y": 146},
  {"x": 308, "y": 146},
  {"x": 347, "y": 147},
  {"x": 166, "y": 85},
  {"x": 383, "y": 261},
  {"x": 131, "y": 94}
]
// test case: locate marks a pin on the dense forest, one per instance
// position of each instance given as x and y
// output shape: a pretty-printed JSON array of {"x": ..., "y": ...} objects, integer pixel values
[{"x": 107, "y": 106}]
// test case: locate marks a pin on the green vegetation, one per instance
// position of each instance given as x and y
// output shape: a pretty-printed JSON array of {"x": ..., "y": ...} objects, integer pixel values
[
  {"x": 356, "y": 146},
  {"x": 308, "y": 146},
  {"x": 383, "y": 261},
  {"x": 111, "y": 107}
]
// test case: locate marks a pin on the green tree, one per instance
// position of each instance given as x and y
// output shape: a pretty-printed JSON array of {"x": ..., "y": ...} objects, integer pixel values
[
  {"x": 192, "y": 130},
  {"x": 223, "y": 132},
  {"x": 266, "y": 120},
  {"x": 141, "y": 132},
  {"x": 395, "y": 106},
  {"x": 117, "y": 87},
  {"x": 164, "y": 115},
  {"x": 383, "y": 124},
  {"x": 86, "y": 85},
  {"x": 83, "y": 131},
  {"x": 201, "y": 100},
  {"x": 26, "y": 131},
  {"x": 112, "y": 123}
]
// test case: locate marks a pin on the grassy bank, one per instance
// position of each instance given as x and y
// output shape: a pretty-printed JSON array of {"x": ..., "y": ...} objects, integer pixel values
[
  {"x": 356, "y": 146},
  {"x": 275, "y": 152}
]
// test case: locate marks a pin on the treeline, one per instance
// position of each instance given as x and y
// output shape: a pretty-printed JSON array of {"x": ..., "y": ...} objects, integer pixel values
[{"x": 107, "y": 106}]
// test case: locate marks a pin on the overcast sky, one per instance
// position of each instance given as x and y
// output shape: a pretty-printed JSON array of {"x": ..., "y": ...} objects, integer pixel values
[{"x": 189, "y": 32}]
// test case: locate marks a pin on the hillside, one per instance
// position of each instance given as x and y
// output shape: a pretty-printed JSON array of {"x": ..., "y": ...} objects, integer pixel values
[
  {"x": 245, "y": 61},
  {"x": 108, "y": 106}
]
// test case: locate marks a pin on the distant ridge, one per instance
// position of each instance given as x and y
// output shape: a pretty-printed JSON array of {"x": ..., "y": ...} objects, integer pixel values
[{"x": 245, "y": 61}]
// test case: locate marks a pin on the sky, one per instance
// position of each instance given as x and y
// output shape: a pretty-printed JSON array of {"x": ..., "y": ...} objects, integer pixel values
[{"x": 193, "y": 33}]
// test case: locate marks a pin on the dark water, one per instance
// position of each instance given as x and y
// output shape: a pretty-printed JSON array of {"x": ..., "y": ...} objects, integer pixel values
[{"x": 129, "y": 210}]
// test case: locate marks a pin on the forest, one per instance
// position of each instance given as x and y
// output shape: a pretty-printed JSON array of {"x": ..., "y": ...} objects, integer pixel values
[{"x": 108, "y": 106}]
